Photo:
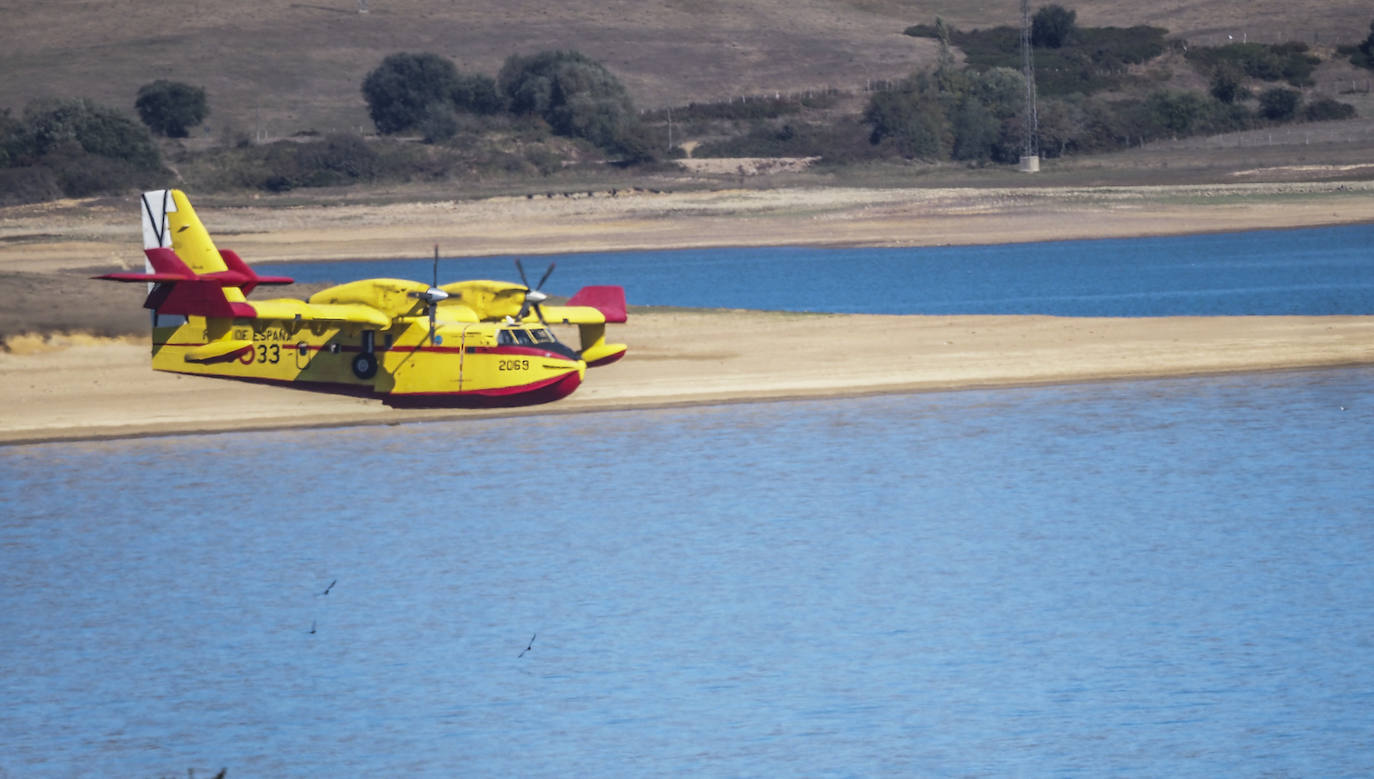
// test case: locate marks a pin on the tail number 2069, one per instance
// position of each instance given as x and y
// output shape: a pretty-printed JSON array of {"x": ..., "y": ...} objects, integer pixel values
[{"x": 513, "y": 365}]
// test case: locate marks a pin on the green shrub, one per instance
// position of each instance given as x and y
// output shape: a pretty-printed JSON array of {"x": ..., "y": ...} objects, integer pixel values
[
  {"x": 30, "y": 184},
  {"x": 1279, "y": 104},
  {"x": 79, "y": 147},
  {"x": 577, "y": 97},
  {"x": 439, "y": 124},
  {"x": 476, "y": 93},
  {"x": 169, "y": 108},
  {"x": 1051, "y": 26},
  {"x": 1226, "y": 84},
  {"x": 406, "y": 88},
  {"x": 1092, "y": 59},
  {"x": 1326, "y": 109},
  {"x": 1267, "y": 62},
  {"x": 910, "y": 118},
  {"x": 976, "y": 131},
  {"x": 1362, "y": 55}
]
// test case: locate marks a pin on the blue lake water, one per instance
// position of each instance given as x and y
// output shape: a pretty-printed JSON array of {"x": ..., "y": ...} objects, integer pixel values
[
  {"x": 1154, "y": 578},
  {"x": 1327, "y": 270}
]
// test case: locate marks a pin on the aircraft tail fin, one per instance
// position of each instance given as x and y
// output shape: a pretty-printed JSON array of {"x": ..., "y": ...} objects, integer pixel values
[
  {"x": 188, "y": 275},
  {"x": 609, "y": 300},
  {"x": 169, "y": 222}
]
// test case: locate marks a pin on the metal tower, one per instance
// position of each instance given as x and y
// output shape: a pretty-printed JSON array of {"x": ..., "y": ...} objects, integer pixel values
[{"x": 1030, "y": 128}]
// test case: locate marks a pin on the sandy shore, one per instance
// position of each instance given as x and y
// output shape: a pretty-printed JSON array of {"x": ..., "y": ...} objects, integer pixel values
[
  {"x": 82, "y": 388},
  {"x": 76, "y": 235},
  {"x": 105, "y": 389}
]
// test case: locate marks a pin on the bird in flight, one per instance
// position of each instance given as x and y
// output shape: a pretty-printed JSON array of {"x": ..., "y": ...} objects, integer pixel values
[{"x": 527, "y": 648}]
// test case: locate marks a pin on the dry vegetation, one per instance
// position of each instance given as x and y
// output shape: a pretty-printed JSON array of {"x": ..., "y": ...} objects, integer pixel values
[{"x": 287, "y": 67}]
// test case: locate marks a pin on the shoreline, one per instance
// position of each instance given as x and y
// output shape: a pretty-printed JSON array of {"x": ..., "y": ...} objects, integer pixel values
[
  {"x": 682, "y": 359},
  {"x": 552, "y": 409},
  {"x": 678, "y": 357},
  {"x": 70, "y": 236}
]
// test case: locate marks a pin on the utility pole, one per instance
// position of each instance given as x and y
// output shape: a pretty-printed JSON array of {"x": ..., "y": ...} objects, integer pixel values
[{"x": 1030, "y": 130}]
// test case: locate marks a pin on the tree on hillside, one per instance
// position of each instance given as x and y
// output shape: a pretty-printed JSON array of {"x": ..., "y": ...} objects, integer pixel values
[
  {"x": 577, "y": 96},
  {"x": 910, "y": 117},
  {"x": 75, "y": 148},
  {"x": 1279, "y": 104},
  {"x": 1363, "y": 55},
  {"x": 1227, "y": 83},
  {"x": 95, "y": 129},
  {"x": 170, "y": 108},
  {"x": 476, "y": 93},
  {"x": 402, "y": 90},
  {"x": 1051, "y": 26},
  {"x": 1174, "y": 113}
]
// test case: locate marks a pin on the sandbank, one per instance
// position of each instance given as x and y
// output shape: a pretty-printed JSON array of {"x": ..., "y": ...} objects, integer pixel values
[
  {"x": 84, "y": 388},
  {"x": 67, "y": 235},
  {"x": 105, "y": 389}
]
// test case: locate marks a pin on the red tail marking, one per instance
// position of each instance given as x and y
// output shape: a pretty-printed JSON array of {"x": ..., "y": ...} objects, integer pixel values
[
  {"x": 179, "y": 291},
  {"x": 607, "y": 299},
  {"x": 198, "y": 298}
]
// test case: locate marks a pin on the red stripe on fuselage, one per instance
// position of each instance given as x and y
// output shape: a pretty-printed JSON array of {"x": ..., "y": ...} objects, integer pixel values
[{"x": 543, "y": 391}]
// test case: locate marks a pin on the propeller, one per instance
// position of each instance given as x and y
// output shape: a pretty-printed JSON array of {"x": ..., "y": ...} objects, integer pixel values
[
  {"x": 533, "y": 295},
  {"x": 433, "y": 295}
]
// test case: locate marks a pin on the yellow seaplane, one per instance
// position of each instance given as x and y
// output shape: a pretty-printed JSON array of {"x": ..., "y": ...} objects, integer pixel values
[{"x": 468, "y": 343}]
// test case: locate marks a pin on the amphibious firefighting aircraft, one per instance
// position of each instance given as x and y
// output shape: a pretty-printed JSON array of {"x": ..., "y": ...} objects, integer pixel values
[{"x": 468, "y": 343}]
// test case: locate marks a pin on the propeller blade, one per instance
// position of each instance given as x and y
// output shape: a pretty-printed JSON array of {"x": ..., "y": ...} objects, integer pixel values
[
  {"x": 545, "y": 278},
  {"x": 521, "y": 268},
  {"x": 436, "y": 266}
]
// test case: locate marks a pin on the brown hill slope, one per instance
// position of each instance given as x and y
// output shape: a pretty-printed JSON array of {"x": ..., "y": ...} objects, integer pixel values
[{"x": 282, "y": 67}]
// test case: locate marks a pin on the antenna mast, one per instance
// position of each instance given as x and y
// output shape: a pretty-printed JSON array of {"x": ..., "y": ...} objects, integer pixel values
[{"x": 1030, "y": 125}]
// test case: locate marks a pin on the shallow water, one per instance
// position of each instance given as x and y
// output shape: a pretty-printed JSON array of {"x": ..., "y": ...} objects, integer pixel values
[
  {"x": 1328, "y": 270},
  {"x": 1167, "y": 577}
]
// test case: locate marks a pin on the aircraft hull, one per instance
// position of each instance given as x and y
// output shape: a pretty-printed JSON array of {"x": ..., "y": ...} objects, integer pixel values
[{"x": 462, "y": 366}]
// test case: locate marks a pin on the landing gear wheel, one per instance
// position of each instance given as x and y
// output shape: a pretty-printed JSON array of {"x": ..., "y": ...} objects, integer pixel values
[{"x": 365, "y": 366}]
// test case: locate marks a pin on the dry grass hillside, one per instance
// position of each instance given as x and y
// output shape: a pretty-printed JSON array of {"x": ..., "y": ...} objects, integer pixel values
[{"x": 279, "y": 68}]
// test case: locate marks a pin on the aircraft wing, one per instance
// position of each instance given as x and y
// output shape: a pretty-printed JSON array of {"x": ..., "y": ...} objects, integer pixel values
[{"x": 289, "y": 309}]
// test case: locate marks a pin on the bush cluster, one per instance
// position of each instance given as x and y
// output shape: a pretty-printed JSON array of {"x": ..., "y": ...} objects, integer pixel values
[
  {"x": 1289, "y": 62},
  {"x": 543, "y": 111},
  {"x": 574, "y": 95},
  {"x": 73, "y": 148},
  {"x": 409, "y": 89},
  {"x": 1081, "y": 60},
  {"x": 344, "y": 159},
  {"x": 1361, "y": 54}
]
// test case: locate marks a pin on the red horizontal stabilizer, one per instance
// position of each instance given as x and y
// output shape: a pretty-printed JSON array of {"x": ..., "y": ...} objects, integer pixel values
[
  {"x": 167, "y": 266},
  {"x": 141, "y": 277},
  {"x": 250, "y": 277},
  {"x": 609, "y": 300}
]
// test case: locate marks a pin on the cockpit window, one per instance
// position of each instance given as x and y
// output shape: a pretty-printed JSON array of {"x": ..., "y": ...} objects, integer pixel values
[
  {"x": 504, "y": 338},
  {"x": 523, "y": 337},
  {"x": 542, "y": 336}
]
